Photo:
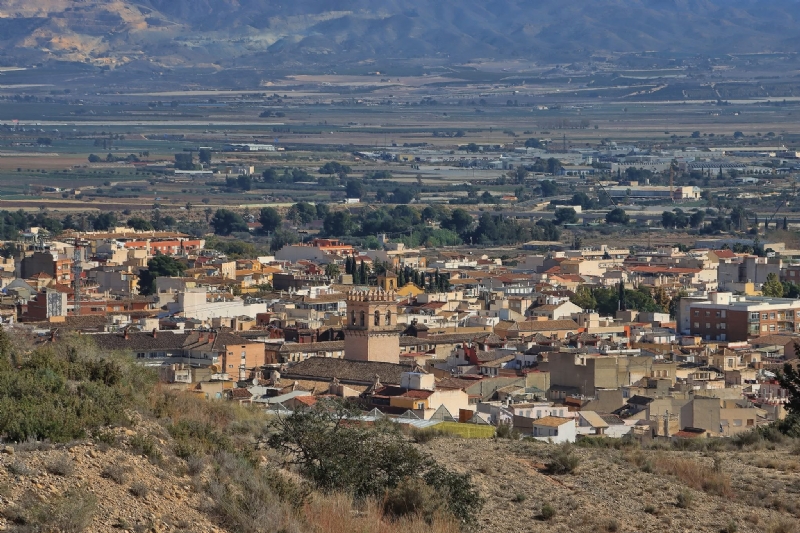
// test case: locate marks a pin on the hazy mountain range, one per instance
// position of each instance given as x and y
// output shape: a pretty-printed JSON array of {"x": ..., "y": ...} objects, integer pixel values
[{"x": 242, "y": 32}]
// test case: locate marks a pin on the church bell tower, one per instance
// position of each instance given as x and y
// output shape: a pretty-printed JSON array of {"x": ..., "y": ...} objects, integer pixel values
[{"x": 371, "y": 333}]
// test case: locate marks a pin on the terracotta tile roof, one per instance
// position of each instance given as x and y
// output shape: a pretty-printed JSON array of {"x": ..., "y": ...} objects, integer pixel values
[
  {"x": 241, "y": 394},
  {"x": 305, "y": 400}
]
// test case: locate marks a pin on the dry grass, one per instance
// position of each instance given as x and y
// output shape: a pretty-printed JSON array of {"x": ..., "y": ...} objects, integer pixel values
[
  {"x": 334, "y": 514},
  {"x": 694, "y": 474}
]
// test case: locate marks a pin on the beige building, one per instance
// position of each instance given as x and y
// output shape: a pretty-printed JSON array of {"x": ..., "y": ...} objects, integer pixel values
[
  {"x": 371, "y": 333},
  {"x": 589, "y": 372}
]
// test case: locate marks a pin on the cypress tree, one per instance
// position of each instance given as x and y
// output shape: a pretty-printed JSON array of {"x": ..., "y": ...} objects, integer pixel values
[
  {"x": 362, "y": 273},
  {"x": 622, "y": 295},
  {"x": 785, "y": 224}
]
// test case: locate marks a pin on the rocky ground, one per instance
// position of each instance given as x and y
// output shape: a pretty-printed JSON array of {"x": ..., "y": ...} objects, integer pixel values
[
  {"x": 616, "y": 490},
  {"x": 127, "y": 490},
  {"x": 613, "y": 490}
]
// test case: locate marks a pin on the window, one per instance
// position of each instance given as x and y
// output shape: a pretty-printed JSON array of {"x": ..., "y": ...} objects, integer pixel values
[
  {"x": 388, "y": 318},
  {"x": 708, "y": 313},
  {"x": 764, "y": 327},
  {"x": 377, "y": 318},
  {"x": 764, "y": 316},
  {"x": 723, "y": 325},
  {"x": 772, "y": 316},
  {"x": 772, "y": 327},
  {"x": 363, "y": 319},
  {"x": 753, "y": 316},
  {"x": 696, "y": 312},
  {"x": 352, "y": 318},
  {"x": 697, "y": 324},
  {"x": 737, "y": 423},
  {"x": 724, "y": 313},
  {"x": 708, "y": 325},
  {"x": 789, "y": 314},
  {"x": 718, "y": 314}
]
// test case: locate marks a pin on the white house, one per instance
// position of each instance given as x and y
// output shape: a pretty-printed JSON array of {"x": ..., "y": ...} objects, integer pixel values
[{"x": 555, "y": 429}]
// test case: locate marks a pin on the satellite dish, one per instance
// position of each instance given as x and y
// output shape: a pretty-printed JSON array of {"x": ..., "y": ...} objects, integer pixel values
[{"x": 214, "y": 369}]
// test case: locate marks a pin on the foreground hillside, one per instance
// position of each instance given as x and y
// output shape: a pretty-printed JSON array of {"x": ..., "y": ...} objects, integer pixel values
[
  {"x": 754, "y": 488},
  {"x": 113, "y": 484},
  {"x": 93, "y": 443},
  {"x": 209, "y": 32}
]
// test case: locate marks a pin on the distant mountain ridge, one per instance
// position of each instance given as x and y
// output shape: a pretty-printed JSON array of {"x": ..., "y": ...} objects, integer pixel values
[{"x": 225, "y": 32}]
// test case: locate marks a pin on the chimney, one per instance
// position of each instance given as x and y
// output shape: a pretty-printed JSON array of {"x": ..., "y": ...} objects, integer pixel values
[
  {"x": 155, "y": 333},
  {"x": 211, "y": 336}
]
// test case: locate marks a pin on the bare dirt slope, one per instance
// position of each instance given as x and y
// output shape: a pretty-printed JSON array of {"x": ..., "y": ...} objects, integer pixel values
[{"x": 629, "y": 490}]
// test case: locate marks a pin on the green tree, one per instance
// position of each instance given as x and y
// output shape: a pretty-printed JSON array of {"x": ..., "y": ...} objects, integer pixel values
[
  {"x": 696, "y": 219},
  {"x": 584, "y": 298},
  {"x": 332, "y": 270},
  {"x": 184, "y": 161},
  {"x": 159, "y": 266},
  {"x": 245, "y": 182},
  {"x": 139, "y": 224},
  {"x": 772, "y": 287},
  {"x": 94, "y": 158},
  {"x": 270, "y": 219},
  {"x": 790, "y": 381},
  {"x": 617, "y": 216},
  {"x": 281, "y": 238},
  {"x": 354, "y": 189},
  {"x": 337, "y": 224},
  {"x": 565, "y": 215},
  {"x": 675, "y": 302},
  {"x": 204, "y": 155},
  {"x": 336, "y": 454},
  {"x": 226, "y": 222},
  {"x": 533, "y": 143},
  {"x": 549, "y": 188}
]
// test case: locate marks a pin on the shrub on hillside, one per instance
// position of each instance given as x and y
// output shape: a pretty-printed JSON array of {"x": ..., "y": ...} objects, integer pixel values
[
  {"x": 61, "y": 392},
  {"x": 365, "y": 461},
  {"x": 563, "y": 460}
]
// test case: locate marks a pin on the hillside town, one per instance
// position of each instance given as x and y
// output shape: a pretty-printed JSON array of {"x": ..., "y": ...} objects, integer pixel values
[{"x": 560, "y": 345}]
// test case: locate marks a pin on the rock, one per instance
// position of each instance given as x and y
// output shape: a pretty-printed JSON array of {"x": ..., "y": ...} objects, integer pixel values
[{"x": 8, "y": 450}]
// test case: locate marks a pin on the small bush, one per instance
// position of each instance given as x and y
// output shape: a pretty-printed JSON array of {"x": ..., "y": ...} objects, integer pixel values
[
  {"x": 519, "y": 497},
  {"x": 650, "y": 509},
  {"x": 19, "y": 468},
  {"x": 146, "y": 446},
  {"x": 505, "y": 431},
  {"x": 732, "y": 527},
  {"x": 107, "y": 438},
  {"x": 70, "y": 513},
  {"x": 116, "y": 473},
  {"x": 547, "y": 512},
  {"x": 563, "y": 460},
  {"x": 413, "y": 497},
  {"x": 612, "y": 526},
  {"x": 139, "y": 489},
  {"x": 62, "y": 465},
  {"x": 195, "y": 465},
  {"x": 781, "y": 525},
  {"x": 423, "y": 436},
  {"x": 685, "y": 499}
]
